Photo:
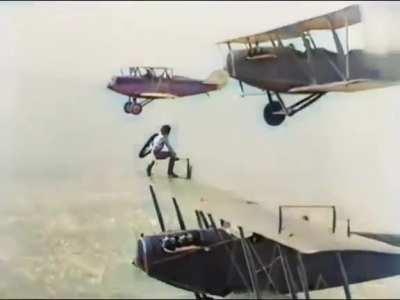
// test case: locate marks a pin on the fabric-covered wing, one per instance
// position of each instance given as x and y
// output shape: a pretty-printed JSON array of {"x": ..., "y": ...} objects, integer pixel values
[
  {"x": 342, "y": 86},
  {"x": 347, "y": 16},
  {"x": 391, "y": 239},
  {"x": 157, "y": 96},
  {"x": 305, "y": 236}
]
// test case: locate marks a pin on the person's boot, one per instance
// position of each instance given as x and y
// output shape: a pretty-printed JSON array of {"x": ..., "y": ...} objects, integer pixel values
[
  {"x": 171, "y": 165},
  {"x": 149, "y": 168},
  {"x": 172, "y": 175}
]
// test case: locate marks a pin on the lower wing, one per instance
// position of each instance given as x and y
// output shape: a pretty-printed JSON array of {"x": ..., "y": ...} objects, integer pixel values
[
  {"x": 157, "y": 96},
  {"x": 343, "y": 86}
]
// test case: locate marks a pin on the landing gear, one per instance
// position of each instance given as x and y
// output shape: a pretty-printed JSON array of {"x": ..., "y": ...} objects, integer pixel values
[
  {"x": 133, "y": 107},
  {"x": 275, "y": 112},
  {"x": 127, "y": 107},
  {"x": 271, "y": 115},
  {"x": 136, "y": 108}
]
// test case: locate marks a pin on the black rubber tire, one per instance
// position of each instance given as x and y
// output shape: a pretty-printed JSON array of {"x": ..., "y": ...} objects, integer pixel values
[
  {"x": 145, "y": 151},
  {"x": 269, "y": 116},
  {"x": 136, "y": 108},
  {"x": 127, "y": 107}
]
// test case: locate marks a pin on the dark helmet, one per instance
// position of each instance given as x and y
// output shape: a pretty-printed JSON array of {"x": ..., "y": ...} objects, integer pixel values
[
  {"x": 168, "y": 243},
  {"x": 165, "y": 129}
]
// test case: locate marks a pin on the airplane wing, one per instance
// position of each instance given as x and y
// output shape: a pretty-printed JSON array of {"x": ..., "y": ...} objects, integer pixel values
[
  {"x": 305, "y": 236},
  {"x": 309, "y": 236},
  {"x": 347, "y": 16},
  {"x": 391, "y": 239},
  {"x": 157, "y": 96},
  {"x": 342, "y": 86}
]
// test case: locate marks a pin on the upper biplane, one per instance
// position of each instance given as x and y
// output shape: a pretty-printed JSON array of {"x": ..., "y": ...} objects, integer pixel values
[
  {"x": 150, "y": 83},
  {"x": 272, "y": 62}
]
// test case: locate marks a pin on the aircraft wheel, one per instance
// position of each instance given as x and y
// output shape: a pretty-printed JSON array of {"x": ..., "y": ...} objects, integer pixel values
[
  {"x": 269, "y": 116},
  {"x": 136, "y": 108},
  {"x": 127, "y": 107}
]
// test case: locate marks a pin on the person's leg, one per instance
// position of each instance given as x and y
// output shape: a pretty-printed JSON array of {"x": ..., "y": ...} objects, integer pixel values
[
  {"x": 150, "y": 167},
  {"x": 171, "y": 163}
]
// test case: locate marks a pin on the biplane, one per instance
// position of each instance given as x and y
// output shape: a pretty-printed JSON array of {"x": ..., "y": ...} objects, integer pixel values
[
  {"x": 151, "y": 83},
  {"x": 285, "y": 256},
  {"x": 288, "y": 60}
]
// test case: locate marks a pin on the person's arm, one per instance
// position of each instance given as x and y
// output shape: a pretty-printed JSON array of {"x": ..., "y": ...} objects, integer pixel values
[{"x": 170, "y": 149}]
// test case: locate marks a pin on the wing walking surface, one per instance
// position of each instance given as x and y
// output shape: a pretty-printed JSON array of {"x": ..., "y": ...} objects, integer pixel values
[
  {"x": 306, "y": 237},
  {"x": 347, "y": 16}
]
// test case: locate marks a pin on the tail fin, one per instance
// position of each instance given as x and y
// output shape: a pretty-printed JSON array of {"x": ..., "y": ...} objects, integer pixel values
[{"x": 218, "y": 77}]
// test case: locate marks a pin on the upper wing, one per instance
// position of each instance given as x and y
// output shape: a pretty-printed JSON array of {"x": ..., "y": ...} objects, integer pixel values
[
  {"x": 342, "y": 86},
  {"x": 306, "y": 236},
  {"x": 391, "y": 239},
  {"x": 347, "y": 16}
]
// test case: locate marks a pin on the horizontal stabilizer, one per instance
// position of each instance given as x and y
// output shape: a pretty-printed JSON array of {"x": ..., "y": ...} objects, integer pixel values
[
  {"x": 341, "y": 86},
  {"x": 218, "y": 77}
]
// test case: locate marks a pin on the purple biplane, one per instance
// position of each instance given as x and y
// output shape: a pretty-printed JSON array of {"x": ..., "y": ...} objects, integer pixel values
[{"x": 151, "y": 83}]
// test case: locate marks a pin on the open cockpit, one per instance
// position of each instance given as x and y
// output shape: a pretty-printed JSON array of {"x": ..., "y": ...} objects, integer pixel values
[{"x": 150, "y": 72}]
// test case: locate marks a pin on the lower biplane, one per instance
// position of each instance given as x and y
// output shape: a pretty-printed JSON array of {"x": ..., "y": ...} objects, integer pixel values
[
  {"x": 151, "y": 83},
  {"x": 285, "y": 256},
  {"x": 288, "y": 60}
]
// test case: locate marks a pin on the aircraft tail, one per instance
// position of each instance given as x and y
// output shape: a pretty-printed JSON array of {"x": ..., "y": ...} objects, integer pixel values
[{"x": 218, "y": 77}]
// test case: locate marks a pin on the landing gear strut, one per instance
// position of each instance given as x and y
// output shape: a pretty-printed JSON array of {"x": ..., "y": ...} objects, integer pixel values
[{"x": 275, "y": 112}]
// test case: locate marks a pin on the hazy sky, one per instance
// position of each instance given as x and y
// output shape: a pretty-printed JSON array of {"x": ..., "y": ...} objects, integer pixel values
[{"x": 73, "y": 191}]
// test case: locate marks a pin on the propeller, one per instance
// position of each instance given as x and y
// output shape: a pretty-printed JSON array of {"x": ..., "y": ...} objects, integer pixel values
[{"x": 223, "y": 61}]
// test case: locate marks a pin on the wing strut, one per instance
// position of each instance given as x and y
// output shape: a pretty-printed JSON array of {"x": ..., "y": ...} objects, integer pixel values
[
  {"x": 157, "y": 208},
  {"x": 301, "y": 270},
  {"x": 228, "y": 251},
  {"x": 250, "y": 264},
  {"x": 344, "y": 276},
  {"x": 199, "y": 221},
  {"x": 179, "y": 215}
]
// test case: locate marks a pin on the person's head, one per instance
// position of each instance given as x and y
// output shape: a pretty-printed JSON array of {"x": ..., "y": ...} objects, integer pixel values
[
  {"x": 165, "y": 129},
  {"x": 168, "y": 243}
]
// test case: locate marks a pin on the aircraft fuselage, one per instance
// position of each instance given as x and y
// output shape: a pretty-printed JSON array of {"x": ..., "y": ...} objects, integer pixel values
[
  {"x": 139, "y": 87},
  {"x": 285, "y": 68},
  {"x": 222, "y": 268}
]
